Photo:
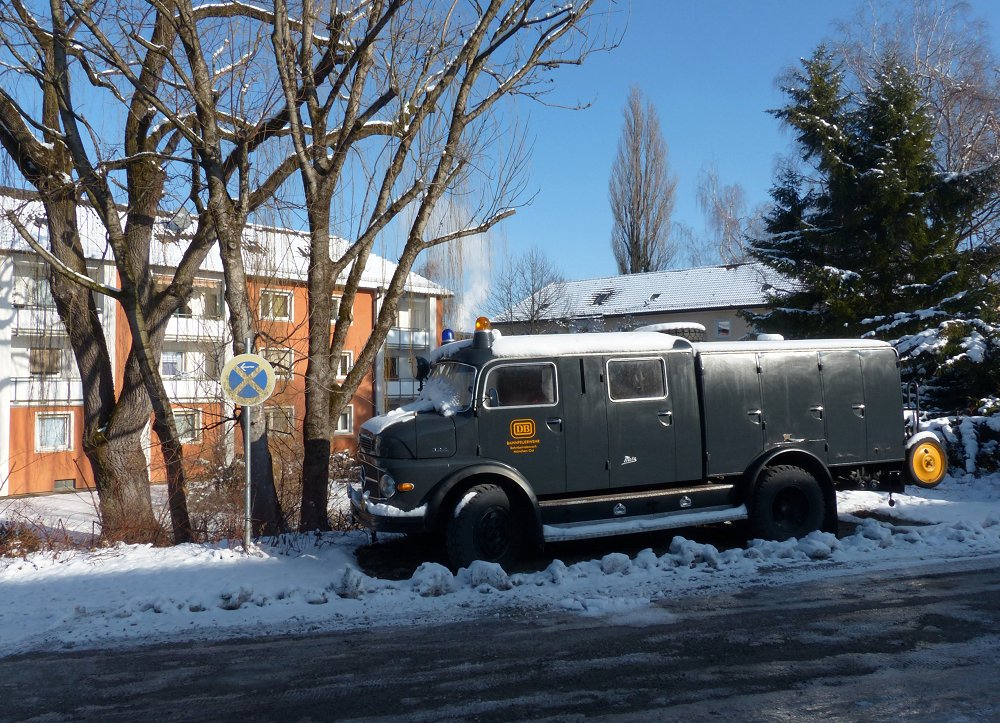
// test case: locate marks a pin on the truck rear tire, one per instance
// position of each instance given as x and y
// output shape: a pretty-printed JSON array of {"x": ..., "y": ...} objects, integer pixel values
[
  {"x": 787, "y": 502},
  {"x": 482, "y": 528}
]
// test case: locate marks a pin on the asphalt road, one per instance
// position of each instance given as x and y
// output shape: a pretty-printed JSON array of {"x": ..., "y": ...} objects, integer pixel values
[{"x": 920, "y": 645}]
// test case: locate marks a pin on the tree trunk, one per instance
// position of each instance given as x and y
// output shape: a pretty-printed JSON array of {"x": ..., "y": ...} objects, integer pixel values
[
  {"x": 317, "y": 428},
  {"x": 120, "y": 472},
  {"x": 266, "y": 514},
  {"x": 112, "y": 427}
]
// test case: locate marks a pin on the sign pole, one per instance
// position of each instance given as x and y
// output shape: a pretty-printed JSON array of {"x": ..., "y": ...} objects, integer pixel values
[
  {"x": 247, "y": 380},
  {"x": 246, "y": 465}
]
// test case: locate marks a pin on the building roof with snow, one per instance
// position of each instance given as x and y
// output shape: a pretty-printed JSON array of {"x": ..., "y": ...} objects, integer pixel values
[
  {"x": 277, "y": 253},
  {"x": 731, "y": 286}
]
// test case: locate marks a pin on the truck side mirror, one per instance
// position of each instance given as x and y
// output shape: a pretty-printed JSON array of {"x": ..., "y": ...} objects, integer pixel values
[{"x": 492, "y": 398}]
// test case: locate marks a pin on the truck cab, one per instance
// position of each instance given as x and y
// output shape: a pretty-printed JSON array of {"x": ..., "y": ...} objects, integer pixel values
[{"x": 524, "y": 440}]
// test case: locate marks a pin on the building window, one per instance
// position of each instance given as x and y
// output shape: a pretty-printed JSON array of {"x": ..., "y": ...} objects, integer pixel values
[
  {"x": 64, "y": 485},
  {"x": 346, "y": 363},
  {"x": 172, "y": 364},
  {"x": 335, "y": 307},
  {"x": 31, "y": 287},
  {"x": 211, "y": 302},
  {"x": 281, "y": 359},
  {"x": 723, "y": 328},
  {"x": 188, "y": 424},
  {"x": 345, "y": 422},
  {"x": 280, "y": 420},
  {"x": 44, "y": 361},
  {"x": 276, "y": 305},
  {"x": 53, "y": 431},
  {"x": 392, "y": 368}
]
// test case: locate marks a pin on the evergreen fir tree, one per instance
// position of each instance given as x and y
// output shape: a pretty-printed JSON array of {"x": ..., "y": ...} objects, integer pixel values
[
  {"x": 867, "y": 231},
  {"x": 864, "y": 232}
]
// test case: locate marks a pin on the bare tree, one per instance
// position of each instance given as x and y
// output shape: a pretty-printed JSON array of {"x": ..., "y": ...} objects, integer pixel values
[
  {"x": 94, "y": 58},
  {"x": 394, "y": 101},
  {"x": 45, "y": 132},
  {"x": 641, "y": 192},
  {"x": 526, "y": 292},
  {"x": 390, "y": 102},
  {"x": 726, "y": 216}
]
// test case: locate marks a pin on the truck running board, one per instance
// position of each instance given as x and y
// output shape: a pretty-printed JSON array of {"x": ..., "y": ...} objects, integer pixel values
[{"x": 641, "y": 523}]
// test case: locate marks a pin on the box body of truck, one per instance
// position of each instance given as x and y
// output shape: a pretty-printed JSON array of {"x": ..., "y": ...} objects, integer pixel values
[{"x": 527, "y": 440}]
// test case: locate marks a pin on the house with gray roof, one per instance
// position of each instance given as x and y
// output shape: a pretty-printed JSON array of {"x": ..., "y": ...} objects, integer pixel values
[{"x": 704, "y": 303}]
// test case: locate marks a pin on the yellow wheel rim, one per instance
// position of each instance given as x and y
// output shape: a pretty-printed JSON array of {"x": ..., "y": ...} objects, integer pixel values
[{"x": 927, "y": 463}]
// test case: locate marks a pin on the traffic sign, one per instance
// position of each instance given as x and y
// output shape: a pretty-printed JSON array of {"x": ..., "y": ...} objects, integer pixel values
[{"x": 248, "y": 379}]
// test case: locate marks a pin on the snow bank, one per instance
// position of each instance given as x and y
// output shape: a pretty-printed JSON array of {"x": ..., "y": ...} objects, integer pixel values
[{"x": 132, "y": 594}]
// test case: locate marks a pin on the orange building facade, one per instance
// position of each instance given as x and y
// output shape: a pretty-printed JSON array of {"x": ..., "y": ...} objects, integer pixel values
[{"x": 41, "y": 407}]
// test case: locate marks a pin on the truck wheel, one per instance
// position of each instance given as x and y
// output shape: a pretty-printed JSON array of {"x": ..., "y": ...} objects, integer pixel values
[
  {"x": 927, "y": 463},
  {"x": 482, "y": 528},
  {"x": 787, "y": 502}
]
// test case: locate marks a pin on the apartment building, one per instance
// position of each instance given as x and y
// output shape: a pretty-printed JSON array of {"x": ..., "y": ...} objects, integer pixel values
[{"x": 41, "y": 393}]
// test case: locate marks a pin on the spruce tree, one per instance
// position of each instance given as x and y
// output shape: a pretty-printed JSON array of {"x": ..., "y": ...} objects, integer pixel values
[
  {"x": 867, "y": 231},
  {"x": 862, "y": 230}
]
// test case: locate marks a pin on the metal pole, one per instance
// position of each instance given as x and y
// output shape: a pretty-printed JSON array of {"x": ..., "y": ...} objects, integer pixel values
[{"x": 246, "y": 464}]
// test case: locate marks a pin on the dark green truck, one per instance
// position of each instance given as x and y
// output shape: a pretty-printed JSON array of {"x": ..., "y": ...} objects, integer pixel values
[{"x": 524, "y": 440}]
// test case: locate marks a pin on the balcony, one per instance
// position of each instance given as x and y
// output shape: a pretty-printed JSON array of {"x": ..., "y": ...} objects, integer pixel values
[
  {"x": 57, "y": 389},
  {"x": 183, "y": 328},
  {"x": 193, "y": 389},
  {"x": 403, "y": 338},
  {"x": 46, "y": 389},
  {"x": 37, "y": 321},
  {"x": 402, "y": 388}
]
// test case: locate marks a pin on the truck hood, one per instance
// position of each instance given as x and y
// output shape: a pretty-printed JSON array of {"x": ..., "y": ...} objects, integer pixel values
[{"x": 411, "y": 434}]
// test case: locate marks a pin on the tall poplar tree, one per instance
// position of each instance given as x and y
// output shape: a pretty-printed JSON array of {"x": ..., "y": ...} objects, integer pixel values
[{"x": 641, "y": 192}]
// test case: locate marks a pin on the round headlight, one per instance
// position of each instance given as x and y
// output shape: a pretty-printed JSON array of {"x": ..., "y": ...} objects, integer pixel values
[{"x": 387, "y": 486}]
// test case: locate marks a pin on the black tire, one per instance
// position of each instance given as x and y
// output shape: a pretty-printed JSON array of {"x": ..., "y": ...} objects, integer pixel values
[
  {"x": 787, "y": 502},
  {"x": 483, "y": 529}
]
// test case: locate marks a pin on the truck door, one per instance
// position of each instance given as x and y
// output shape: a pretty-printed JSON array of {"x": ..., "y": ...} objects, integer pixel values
[
  {"x": 844, "y": 400},
  {"x": 521, "y": 422},
  {"x": 585, "y": 424},
  {"x": 640, "y": 422},
  {"x": 733, "y": 415},
  {"x": 793, "y": 400},
  {"x": 883, "y": 404}
]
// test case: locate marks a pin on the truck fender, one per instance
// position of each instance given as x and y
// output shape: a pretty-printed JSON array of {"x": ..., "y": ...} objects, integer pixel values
[
  {"x": 806, "y": 460},
  {"x": 515, "y": 485}
]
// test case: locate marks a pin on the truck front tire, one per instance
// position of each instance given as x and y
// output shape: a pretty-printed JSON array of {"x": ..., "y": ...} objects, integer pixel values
[
  {"x": 787, "y": 502},
  {"x": 481, "y": 527}
]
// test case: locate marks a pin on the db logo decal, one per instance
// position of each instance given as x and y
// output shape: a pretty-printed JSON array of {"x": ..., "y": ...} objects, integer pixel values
[{"x": 522, "y": 428}]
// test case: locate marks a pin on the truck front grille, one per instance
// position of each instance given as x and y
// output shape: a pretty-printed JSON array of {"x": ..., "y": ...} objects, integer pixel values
[{"x": 366, "y": 440}]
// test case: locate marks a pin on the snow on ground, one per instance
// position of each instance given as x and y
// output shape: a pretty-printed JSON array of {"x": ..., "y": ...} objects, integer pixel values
[{"x": 302, "y": 583}]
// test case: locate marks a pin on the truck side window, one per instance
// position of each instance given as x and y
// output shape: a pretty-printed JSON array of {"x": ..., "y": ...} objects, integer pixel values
[
  {"x": 521, "y": 385},
  {"x": 636, "y": 379}
]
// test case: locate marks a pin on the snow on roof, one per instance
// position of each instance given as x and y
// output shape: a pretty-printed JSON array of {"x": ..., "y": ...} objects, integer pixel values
[
  {"x": 275, "y": 253},
  {"x": 619, "y": 342},
  {"x": 802, "y": 345},
  {"x": 547, "y": 345},
  {"x": 708, "y": 287}
]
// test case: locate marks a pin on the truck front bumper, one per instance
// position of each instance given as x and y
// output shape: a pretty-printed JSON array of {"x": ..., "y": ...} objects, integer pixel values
[{"x": 380, "y": 514}]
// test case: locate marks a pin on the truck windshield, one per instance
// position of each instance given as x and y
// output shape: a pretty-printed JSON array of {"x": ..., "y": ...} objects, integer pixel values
[{"x": 449, "y": 387}]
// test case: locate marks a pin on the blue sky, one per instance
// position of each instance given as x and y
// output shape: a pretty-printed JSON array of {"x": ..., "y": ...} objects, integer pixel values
[{"x": 709, "y": 67}]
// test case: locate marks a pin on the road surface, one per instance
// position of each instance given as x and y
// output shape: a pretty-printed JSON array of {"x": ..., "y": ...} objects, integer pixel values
[{"x": 917, "y": 645}]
